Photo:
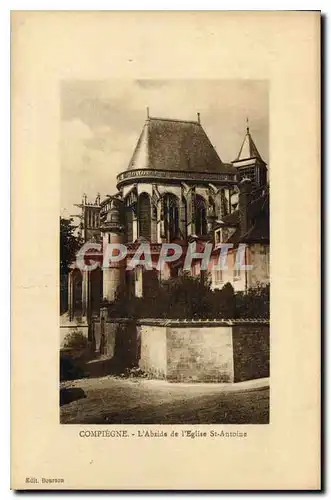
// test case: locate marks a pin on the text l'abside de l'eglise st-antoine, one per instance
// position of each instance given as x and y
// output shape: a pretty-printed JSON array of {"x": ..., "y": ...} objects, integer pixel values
[{"x": 149, "y": 433}]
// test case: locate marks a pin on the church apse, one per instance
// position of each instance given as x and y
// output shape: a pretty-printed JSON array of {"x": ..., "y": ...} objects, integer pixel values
[{"x": 175, "y": 189}]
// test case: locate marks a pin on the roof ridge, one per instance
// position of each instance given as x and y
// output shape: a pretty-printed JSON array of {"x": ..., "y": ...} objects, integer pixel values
[
  {"x": 173, "y": 120},
  {"x": 162, "y": 145}
]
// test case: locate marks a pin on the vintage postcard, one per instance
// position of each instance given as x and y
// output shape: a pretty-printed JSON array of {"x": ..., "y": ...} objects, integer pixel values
[{"x": 165, "y": 221}]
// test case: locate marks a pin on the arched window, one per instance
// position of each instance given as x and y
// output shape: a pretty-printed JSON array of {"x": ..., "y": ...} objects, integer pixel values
[
  {"x": 183, "y": 222},
  {"x": 76, "y": 292},
  {"x": 211, "y": 206},
  {"x": 171, "y": 216},
  {"x": 144, "y": 216},
  {"x": 130, "y": 214},
  {"x": 200, "y": 216},
  {"x": 129, "y": 224}
]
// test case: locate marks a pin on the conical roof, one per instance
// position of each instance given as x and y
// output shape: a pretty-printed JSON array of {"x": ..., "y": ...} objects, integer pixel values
[
  {"x": 248, "y": 148},
  {"x": 176, "y": 145}
]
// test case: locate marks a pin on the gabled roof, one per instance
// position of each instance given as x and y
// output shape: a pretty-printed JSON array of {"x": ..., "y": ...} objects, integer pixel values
[
  {"x": 258, "y": 213},
  {"x": 259, "y": 232},
  {"x": 248, "y": 148},
  {"x": 176, "y": 145}
]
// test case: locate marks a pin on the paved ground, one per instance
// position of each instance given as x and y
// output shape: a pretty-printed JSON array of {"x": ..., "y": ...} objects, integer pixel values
[{"x": 110, "y": 400}]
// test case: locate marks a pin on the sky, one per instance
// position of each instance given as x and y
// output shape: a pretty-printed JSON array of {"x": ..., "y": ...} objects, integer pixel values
[{"x": 101, "y": 122}]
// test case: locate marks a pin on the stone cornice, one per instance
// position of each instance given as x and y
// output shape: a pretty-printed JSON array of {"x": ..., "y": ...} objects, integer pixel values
[
  {"x": 133, "y": 247},
  {"x": 108, "y": 226},
  {"x": 155, "y": 176},
  {"x": 193, "y": 323}
]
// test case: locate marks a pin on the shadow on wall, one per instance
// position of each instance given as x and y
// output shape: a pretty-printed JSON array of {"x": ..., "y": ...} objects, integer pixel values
[
  {"x": 127, "y": 345},
  {"x": 251, "y": 350},
  {"x": 115, "y": 350},
  {"x": 118, "y": 342}
]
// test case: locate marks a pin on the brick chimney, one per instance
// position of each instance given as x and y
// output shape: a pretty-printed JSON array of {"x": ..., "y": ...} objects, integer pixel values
[{"x": 245, "y": 197}]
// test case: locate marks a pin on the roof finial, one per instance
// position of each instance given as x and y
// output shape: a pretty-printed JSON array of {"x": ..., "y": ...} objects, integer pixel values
[
  {"x": 147, "y": 112},
  {"x": 198, "y": 114},
  {"x": 247, "y": 125}
]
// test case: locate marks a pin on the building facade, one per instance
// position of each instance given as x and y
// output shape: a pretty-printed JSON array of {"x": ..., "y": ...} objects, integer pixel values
[
  {"x": 176, "y": 189},
  {"x": 246, "y": 231}
]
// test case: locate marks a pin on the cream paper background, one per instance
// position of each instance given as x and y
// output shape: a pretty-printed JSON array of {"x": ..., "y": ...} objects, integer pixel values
[{"x": 282, "y": 47}]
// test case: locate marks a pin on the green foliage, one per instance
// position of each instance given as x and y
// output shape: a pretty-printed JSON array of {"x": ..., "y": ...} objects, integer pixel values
[
  {"x": 69, "y": 244},
  {"x": 184, "y": 297},
  {"x": 188, "y": 297},
  {"x": 254, "y": 304},
  {"x": 75, "y": 340}
]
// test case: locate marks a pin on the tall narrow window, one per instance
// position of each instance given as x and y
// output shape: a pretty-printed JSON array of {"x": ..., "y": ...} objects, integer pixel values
[
  {"x": 144, "y": 216},
  {"x": 171, "y": 216},
  {"x": 183, "y": 222},
  {"x": 129, "y": 224},
  {"x": 218, "y": 274},
  {"x": 200, "y": 216}
]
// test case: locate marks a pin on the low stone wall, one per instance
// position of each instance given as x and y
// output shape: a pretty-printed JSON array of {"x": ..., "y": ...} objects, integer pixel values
[
  {"x": 187, "y": 351},
  {"x": 251, "y": 347},
  {"x": 196, "y": 354},
  {"x": 204, "y": 351},
  {"x": 153, "y": 349}
]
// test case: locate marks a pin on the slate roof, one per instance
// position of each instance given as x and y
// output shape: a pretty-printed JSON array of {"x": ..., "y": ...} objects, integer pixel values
[
  {"x": 248, "y": 148},
  {"x": 258, "y": 212},
  {"x": 259, "y": 232},
  {"x": 176, "y": 145}
]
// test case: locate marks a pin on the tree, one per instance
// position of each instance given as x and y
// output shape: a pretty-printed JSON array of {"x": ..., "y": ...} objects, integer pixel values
[
  {"x": 255, "y": 303},
  {"x": 224, "y": 302},
  {"x": 69, "y": 244},
  {"x": 186, "y": 296},
  {"x": 189, "y": 297}
]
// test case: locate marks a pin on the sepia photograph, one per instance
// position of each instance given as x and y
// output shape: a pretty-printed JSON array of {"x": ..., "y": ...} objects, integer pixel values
[{"x": 164, "y": 252}]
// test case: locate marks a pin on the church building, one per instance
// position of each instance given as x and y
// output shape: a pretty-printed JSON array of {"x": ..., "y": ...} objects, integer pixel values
[{"x": 176, "y": 189}]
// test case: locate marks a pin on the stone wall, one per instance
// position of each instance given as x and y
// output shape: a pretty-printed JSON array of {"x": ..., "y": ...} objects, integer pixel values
[
  {"x": 105, "y": 337},
  {"x": 251, "y": 347},
  {"x": 117, "y": 340},
  {"x": 188, "y": 351},
  {"x": 153, "y": 349},
  {"x": 199, "y": 354},
  {"x": 204, "y": 351}
]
